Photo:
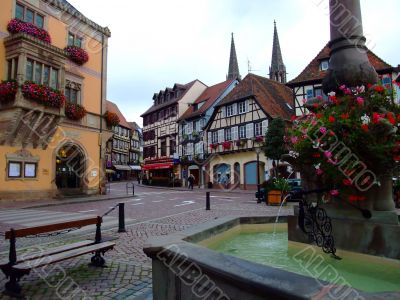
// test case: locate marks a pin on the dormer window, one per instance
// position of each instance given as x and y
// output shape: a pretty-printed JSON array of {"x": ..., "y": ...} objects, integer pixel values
[{"x": 324, "y": 65}]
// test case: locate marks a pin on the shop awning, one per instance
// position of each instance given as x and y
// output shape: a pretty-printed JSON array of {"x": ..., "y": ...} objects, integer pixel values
[
  {"x": 158, "y": 166},
  {"x": 109, "y": 171},
  {"x": 122, "y": 168},
  {"x": 136, "y": 168}
]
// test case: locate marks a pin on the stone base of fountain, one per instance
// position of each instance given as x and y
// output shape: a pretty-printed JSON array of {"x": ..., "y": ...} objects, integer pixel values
[{"x": 377, "y": 236}]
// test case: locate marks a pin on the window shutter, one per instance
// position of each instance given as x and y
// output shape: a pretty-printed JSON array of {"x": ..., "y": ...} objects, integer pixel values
[
  {"x": 201, "y": 148},
  {"x": 189, "y": 150},
  {"x": 221, "y": 137},
  {"x": 180, "y": 150},
  {"x": 264, "y": 127},
  {"x": 234, "y": 109},
  {"x": 223, "y": 111},
  {"x": 189, "y": 128},
  {"x": 247, "y": 106},
  {"x": 209, "y": 138},
  {"x": 249, "y": 130},
  {"x": 235, "y": 133}
]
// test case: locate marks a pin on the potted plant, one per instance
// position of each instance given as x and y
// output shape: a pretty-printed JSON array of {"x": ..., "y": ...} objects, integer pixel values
[
  {"x": 213, "y": 146},
  {"x": 278, "y": 189},
  {"x": 74, "y": 111},
  {"x": 16, "y": 26}
]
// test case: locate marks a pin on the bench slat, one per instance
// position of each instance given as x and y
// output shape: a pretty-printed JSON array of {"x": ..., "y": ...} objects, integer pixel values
[
  {"x": 63, "y": 256},
  {"x": 51, "y": 251},
  {"x": 51, "y": 227}
]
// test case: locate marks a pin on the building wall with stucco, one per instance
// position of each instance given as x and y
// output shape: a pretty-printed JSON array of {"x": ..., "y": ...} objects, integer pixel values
[{"x": 33, "y": 133}]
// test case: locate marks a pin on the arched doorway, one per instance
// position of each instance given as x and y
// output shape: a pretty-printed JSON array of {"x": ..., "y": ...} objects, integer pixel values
[
  {"x": 70, "y": 167},
  {"x": 222, "y": 175},
  {"x": 250, "y": 174},
  {"x": 236, "y": 168}
]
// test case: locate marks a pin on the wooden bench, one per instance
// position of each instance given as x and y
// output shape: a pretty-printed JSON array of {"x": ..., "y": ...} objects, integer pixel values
[{"x": 15, "y": 268}]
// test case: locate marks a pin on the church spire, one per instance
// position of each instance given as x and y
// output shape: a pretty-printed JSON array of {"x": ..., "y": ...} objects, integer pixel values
[
  {"x": 277, "y": 70},
  {"x": 233, "y": 72}
]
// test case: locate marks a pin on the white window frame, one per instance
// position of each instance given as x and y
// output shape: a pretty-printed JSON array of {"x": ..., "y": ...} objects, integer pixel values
[
  {"x": 242, "y": 107},
  {"x": 258, "y": 129},
  {"x": 242, "y": 132}
]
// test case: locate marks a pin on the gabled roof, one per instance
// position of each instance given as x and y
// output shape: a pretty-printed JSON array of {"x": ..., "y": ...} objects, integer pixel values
[
  {"x": 112, "y": 107},
  {"x": 134, "y": 126},
  {"x": 155, "y": 107},
  {"x": 274, "y": 98},
  {"x": 313, "y": 72},
  {"x": 209, "y": 96}
]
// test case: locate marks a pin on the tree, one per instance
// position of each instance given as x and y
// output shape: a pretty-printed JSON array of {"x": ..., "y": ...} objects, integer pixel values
[{"x": 274, "y": 146}]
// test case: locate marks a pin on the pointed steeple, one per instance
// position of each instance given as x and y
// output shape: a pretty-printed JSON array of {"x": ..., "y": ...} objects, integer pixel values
[
  {"x": 233, "y": 72},
  {"x": 277, "y": 70}
]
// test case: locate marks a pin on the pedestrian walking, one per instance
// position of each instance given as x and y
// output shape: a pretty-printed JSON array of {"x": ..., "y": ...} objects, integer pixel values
[{"x": 191, "y": 181}]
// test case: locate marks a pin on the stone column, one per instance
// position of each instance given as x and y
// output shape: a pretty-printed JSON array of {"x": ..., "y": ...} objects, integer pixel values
[{"x": 349, "y": 64}]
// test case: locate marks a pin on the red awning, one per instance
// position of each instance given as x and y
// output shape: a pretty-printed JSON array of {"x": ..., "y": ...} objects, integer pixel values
[{"x": 159, "y": 166}]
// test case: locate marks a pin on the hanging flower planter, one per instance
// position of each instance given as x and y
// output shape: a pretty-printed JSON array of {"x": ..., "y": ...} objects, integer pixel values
[
  {"x": 16, "y": 26},
  {"x": 75, "y": 111},
  {"x": 43, "y": 94},
  {"x": 259, "y": 139},
  {"x": 227, "y": 145},
  {"x": 112, "y": 119},
  {"x": 8, "y": 90},
  {"x": 241, "y": 142},
  {"x": 213, "y": 146},
  {"x": 77, "y": 55}
]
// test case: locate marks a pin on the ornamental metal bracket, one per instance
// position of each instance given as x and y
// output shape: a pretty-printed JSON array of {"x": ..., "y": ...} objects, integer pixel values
[{"x": 314, "y": 221}]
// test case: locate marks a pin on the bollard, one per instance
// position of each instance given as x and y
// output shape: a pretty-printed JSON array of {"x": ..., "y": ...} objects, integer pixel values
[
  {"x": 207, "y": 200},
  {"x": 121, "y": 217}
]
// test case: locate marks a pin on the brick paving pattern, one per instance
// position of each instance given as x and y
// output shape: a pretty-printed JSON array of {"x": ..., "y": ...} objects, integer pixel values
[{"x": 128, "y": 271}]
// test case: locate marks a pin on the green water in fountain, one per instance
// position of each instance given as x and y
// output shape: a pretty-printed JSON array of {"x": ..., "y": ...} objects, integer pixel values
[{"x": 362, "y": 272}]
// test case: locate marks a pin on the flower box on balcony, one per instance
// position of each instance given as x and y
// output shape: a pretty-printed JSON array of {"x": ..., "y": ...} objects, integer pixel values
[
  {"x": 77, "y": 55},
  {"x": 112, "y": 119},
  {"x": 227, "y": 145},
  {"x": 8, "y": 90},
  {"x": 213, "y": 146},
  {"x": 16, "y": 26},
  {"x": 43, "y": 94},
  {"x": 74, "y": 111},
  {"x": 259, "y": 139},
  {"x": 241, "y": 142}
]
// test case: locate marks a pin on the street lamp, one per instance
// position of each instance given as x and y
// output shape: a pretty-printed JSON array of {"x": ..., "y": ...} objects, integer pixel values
[{"x": 258, "y": 151}]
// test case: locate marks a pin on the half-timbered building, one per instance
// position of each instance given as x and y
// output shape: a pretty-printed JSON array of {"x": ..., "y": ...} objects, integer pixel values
[
  {"x": 237, "y": 128},
  {"x": 160, "y": 131},
  {"x": 309, "y": 83},
  {"x": 191, "y": 148}
]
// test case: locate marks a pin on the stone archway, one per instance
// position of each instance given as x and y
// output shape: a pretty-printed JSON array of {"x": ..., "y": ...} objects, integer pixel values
[{"x": 70, "y": 168}]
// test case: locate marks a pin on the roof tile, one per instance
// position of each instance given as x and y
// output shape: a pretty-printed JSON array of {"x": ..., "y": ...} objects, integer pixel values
[
  {"x": 275, "y": 98},
  {"x": 313, "y": 72}
]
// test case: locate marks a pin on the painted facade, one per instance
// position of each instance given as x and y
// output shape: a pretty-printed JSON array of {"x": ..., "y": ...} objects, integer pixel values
[
  {"x": 236, "y": 131},
  {"x": 308, "y": 84},
  {"x": 160, "y": 132},
  {"x": 46, "y": 149},
  {"x": 192, "y": 151},
  {"x": 118, "y": 147}
]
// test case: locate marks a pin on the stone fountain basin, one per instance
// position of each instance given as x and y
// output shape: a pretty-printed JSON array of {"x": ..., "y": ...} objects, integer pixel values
[{"x": 181, "y": 266}]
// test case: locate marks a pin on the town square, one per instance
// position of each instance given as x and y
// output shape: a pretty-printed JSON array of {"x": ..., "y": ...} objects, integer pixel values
[{"x": 199, "y": 150}]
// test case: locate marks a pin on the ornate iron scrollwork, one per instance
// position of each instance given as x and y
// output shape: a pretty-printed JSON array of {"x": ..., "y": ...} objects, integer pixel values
[{"x": 314, "y": 221}]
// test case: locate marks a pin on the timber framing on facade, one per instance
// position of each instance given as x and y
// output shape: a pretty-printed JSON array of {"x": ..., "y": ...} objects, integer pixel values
[
  {"x": 308, "y": 83},
  {"x": 237, "y": 128}
]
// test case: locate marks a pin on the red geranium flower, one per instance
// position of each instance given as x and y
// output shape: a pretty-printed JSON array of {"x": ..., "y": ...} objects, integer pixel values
[
  {"x": 365, "y": 127},
  {"x": 331, "y": 119}
]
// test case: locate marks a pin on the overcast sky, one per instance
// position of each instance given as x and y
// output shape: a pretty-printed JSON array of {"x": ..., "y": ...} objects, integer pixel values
[{"x": 156, "y": 43}]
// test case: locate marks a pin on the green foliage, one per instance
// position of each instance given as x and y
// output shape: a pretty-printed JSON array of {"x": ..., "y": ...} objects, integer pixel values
[
  {"x": 280, "y": 184},
  {"x": 274, "y": 146}
]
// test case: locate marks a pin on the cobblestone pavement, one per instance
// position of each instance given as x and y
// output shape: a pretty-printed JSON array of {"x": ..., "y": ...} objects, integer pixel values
[{"x": 128, "y": 271}]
